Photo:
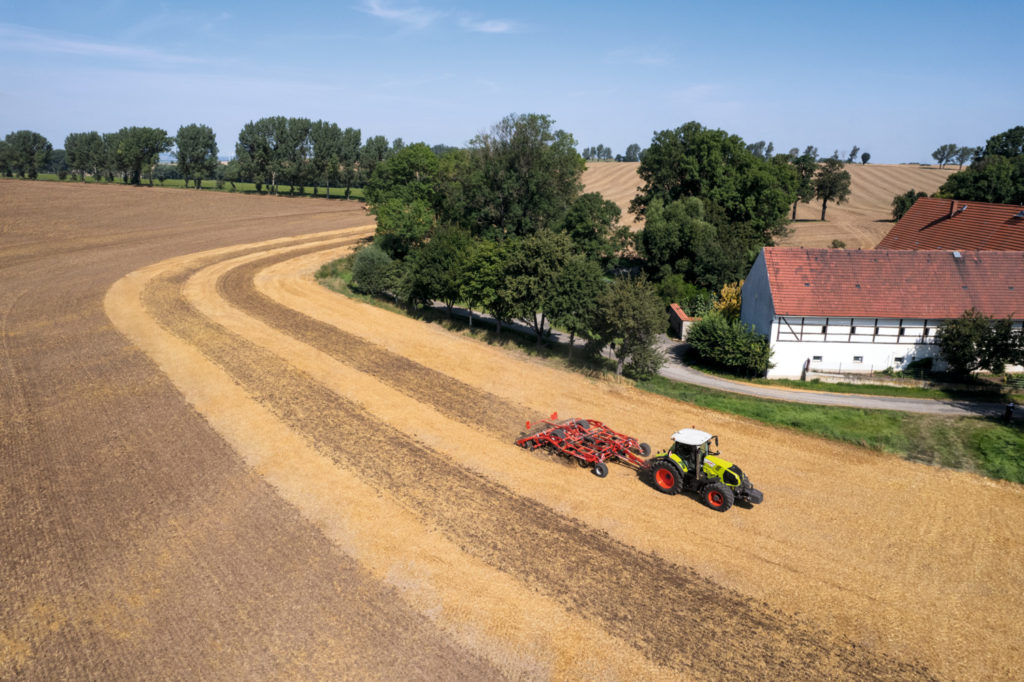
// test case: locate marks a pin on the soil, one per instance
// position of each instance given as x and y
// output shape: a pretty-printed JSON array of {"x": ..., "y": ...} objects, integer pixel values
[{"x": 215, "y": 467}]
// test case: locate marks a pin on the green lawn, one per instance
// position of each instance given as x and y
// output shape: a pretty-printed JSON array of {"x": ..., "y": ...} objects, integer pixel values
[
  {"x": 240, "y": 187},
  {"x": 974, "y": 444}
]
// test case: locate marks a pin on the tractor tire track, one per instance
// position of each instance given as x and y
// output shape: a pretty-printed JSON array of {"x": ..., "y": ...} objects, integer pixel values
[
  {"x": 461, "y": 401},
  {"x": 696, "y": 631}
]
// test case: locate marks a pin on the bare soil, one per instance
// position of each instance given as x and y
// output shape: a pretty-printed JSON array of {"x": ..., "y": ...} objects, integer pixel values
[{"x": 214, "y": 467}]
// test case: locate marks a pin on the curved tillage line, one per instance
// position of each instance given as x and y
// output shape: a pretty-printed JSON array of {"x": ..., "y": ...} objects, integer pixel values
[
  {"x": 587, "y": 571},
  {"x": 483, "y": 610}
]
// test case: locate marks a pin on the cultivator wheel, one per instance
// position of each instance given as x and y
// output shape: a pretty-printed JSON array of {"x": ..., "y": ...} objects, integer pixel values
[
  {"x": 666, "y": 478},
  {"x": 600, "y": 469},
  {"x": 718, "y": 496}
]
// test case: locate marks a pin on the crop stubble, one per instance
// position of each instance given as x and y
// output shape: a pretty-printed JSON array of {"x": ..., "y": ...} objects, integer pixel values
[{"x": 585, "y": 569}]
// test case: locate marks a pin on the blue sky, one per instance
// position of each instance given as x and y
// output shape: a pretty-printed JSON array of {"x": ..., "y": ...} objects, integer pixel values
[{"x": 896, "y": 78}]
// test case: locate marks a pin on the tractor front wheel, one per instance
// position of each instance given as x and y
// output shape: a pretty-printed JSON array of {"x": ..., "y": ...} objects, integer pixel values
[
  {"x": 718, "y": 496},
  {"x": 665, "y": 476},
  {"x": 600, "y": 469}
]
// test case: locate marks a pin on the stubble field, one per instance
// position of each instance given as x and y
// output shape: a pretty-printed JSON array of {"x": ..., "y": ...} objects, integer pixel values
[{"x": 213, "y": 467}]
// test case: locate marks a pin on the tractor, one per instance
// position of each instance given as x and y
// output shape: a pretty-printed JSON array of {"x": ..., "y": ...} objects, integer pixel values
[{"x": 691, "y": 465}]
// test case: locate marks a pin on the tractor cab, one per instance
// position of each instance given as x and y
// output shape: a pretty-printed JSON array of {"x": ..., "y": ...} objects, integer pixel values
[{"x": 691, "y": 448}]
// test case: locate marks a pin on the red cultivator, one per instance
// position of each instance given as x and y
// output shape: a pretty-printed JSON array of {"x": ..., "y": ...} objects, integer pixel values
[{"x": 589, "y": 441}]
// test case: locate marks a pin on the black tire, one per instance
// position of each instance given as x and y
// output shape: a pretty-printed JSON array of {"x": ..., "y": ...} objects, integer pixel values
[
  {"x": 666, "y": 477},
  {"x": 583, "y": 424},
  {"x": 600, "y": 469},
  {"x": 582, "y": 462},
  {"x": 558, "y": 433},
  {"x": 646, "y": 449},
  {"x": 717, "y": 496}
]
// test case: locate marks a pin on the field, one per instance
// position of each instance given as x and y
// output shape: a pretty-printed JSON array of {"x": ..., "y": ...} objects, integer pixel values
[
  {"x": 214, "y": 467},
  {"x": 860, "y": 223},
  {"x": 243, "y": 187}
]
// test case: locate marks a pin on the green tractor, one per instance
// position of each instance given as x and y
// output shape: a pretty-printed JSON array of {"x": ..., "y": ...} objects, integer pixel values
[{"x": 691, "y": 465}]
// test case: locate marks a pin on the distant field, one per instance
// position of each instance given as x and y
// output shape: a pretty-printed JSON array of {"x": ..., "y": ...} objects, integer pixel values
[
  {"x": 860, "y": 223},
  {"x": 866, "y": 217}
]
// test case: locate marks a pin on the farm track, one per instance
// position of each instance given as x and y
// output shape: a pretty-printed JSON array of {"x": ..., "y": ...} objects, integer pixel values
[{"x": 585, "y": 570}]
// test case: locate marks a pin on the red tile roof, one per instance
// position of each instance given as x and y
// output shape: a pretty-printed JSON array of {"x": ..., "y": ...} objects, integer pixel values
[
  {"x": 964, "y": 225},
  {"x": 678, "y": 311},
  {"x": 894, "y": 283}
]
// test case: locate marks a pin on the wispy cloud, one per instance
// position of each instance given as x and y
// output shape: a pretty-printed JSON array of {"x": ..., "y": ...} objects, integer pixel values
[
  {"x": 412, "y": 17},
  {"x": 24, "y": 39},
  {"x": 488, "y": 25}
]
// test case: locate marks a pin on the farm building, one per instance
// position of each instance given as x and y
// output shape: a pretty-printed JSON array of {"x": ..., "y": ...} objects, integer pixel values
[
  {"x": 834, "y": 310},
  {"x": 963, "y": 225}
]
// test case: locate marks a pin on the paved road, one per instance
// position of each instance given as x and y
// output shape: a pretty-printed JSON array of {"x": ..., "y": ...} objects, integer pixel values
[{"x": 676, "y": 370}]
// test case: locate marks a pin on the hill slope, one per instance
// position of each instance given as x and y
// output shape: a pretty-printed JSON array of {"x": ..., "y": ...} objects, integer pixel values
[{"x": 860, "y": 223}]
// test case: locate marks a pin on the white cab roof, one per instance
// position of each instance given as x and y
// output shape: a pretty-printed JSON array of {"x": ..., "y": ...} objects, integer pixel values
[{"x": 691, "y": 437}]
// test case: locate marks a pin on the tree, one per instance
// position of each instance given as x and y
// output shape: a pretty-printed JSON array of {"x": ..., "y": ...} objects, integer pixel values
[
  {"x": 996, "y": 174},
  {"x": 533, "y": 266},
  {"x": 832, "y": 183},
  {"x": 678, "y": 238},
  {"x": 853, "y": 154},
  {"x": 254, "y": 150},
  {"x": 730, "y": 302},
  {"x": 410, "y": 174},
  {"x": 743, "y": 195},
  {"x": 27, "y": 153},
  {"x": 371, "y": 154},
  {"x": 592, "y": 224},
  {"x": 196, "y": 152},
  {"x": 805, "y": 165},
  {"x": 944, "y": 154},
  {"x": 573, "y": 301},
  {"x": 484, "y": 278},
  {"x": 5, "y": 159},
  {"x": 975, "y": 341},
  {"x": 901, "y": 203},
  {"x": 1009, "y": 143},
  {"x": 629, "y": 316},
  {"x": 326, "y": 140},
  {"x": 517, "y": 179},
  {"x": 402, "y": 226},
  {"x": 435, "y": 269},
  {"x": 138, "y": 147},
  {"x": 84, "y": 153},
  {"x": 963, "y": 155},
  {"x": 864, "y": 158},
  {"x": 632, "y": 153}
]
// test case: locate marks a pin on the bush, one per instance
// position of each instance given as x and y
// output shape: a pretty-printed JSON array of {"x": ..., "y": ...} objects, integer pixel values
[
  {"x": 373, "y": 271},
  {"x": 730, "y": 345}
]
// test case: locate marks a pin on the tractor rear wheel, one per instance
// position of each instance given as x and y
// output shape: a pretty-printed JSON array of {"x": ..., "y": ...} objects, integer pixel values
[
  {"x": 665, "y": 476},
  {"x": 718, "y": 496},
  {"x": 600, "y": 469}
]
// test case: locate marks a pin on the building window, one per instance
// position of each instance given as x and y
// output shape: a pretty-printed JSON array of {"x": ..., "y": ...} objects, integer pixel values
[
  {"x": 858, "y": 358},
  {"x": 816, "y": 358},
  {"x": 899, "y": 361}
]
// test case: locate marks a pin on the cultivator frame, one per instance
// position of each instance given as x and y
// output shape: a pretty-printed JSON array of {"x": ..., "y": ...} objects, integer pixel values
[{"x": 588, "y": 441}]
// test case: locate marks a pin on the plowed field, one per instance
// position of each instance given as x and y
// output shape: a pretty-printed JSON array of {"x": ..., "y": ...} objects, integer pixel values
[{"x": 213, "y": 467}]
